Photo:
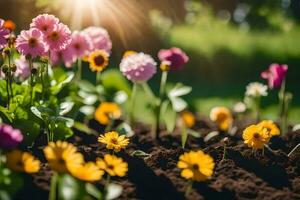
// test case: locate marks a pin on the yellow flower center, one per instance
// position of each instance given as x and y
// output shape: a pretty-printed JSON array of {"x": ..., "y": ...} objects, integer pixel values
[
  {"x": 54, "y": 36},
  {"x": 32, "y": 42},
  {"x": 99, "y": 60}
]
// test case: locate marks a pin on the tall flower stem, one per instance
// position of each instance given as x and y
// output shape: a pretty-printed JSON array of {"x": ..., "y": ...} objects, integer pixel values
[
  {"x": 79, "y": 69},
  {"x": 163, "y": 82},
  {"x": 257, "y": 108},
  {"x": 98, "y": 78},
  {"x": 8, "y": 92},
  {"x": 43, "y": 81},
  {"x": 189, "y": 188},
  {"x": 10, "y": 77},
  {"x": 53, "y": 186},
  {"x": 31, "y": 81},
  {"x": 282, "y": 105},
  {"x": 132, "y": 102}
]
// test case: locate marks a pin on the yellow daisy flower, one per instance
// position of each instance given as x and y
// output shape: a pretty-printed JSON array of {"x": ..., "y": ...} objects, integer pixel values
[
  {"x": 98, "y": 60},
  {"x": 256, "y": 136},
  {"x": 188, "y": 119},
  {"x": 107, "y": 111},
  {"x": 22, "y": 162},
  {"x": 129, "y": 53},
  {"x": 113, "y": 165},
  {"x": 196, "y": 165},
  {"x": 63, "y": 156},
  {"x": 87, "y": 172},
  {"x": 271, "y": 127},
  {"x": 222, "y": 116},
  {"x": 114, "y": 141}
]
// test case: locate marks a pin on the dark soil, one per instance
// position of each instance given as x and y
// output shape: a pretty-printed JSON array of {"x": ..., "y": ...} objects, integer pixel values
[{"x": 241, "y": 175}]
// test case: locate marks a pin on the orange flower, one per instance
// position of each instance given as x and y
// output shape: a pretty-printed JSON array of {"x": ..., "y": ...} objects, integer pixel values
[
  {"x": 9, "y": 24},
  {"x": 188, "y": 119},
  {"x": 107, "y": 111}
]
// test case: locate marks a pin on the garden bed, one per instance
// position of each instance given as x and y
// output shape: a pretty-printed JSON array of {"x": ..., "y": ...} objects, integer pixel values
[{"x": 154, "y": 175}]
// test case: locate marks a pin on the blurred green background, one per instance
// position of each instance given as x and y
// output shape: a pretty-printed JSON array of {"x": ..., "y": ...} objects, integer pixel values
[{"x": 229, "y": 42}]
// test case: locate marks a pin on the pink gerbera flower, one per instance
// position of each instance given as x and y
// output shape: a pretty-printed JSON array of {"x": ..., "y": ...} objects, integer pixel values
[
  {"x": 275, "y": 75},
  {"x": 58, "y": 38},
  {"x": 44, "y": 23},
  {"x": 80, "y": 44},
  {"x": 4, "y": 34},
  {"x": 175, "y": 57},
  {"x": 66, "y": 56},
  {"x": 100, "y": 39},
  {"x": 31, "y": 43}
]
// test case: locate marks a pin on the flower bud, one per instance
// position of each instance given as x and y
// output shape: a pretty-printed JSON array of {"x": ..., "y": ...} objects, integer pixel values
[
  {"x": 34, "y": 70},
  {"x": 4, "y": 68},
  {"x": 14, "y": 68}
]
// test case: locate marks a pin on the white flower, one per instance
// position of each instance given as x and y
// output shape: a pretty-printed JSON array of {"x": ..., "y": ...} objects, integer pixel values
[
  {"x": 239, "y": 107},
  {"x": 256, "y": 89}
]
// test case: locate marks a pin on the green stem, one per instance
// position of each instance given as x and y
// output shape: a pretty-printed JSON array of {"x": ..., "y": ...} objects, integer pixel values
[
  {"x": 109, "y": 125},
  {"x": 132, "y": 102},
  {"x": 43, "y": 81},
  {"x": 283, "y": 107},
  {"x": 31, "y": 82},
  {"x": 98, "y": 78},
  {"x": 53, "y": 186},
  {"x": 148, "y": 91},
  {"x": 189, "y": 189},
  {"x": 257, "y": 108},
  {"x": 8, "y": 93},
  {"x": 10, "y": 77},
  {"x": 163, "y": 82},
  {"x": 79, "y": 69}
]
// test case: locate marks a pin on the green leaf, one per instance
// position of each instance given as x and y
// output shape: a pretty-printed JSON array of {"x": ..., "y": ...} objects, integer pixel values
[
  {"x": 65, "y": 107},
  {"x": 93, "y": 191},
  {"x": 61, "y": 131},
  {"x": 70, "y": 188},
  {"x": 178, "y": 104},
  {"x": 84, "y": 128},
  {"x": 184, "y": 136},
  {"x": 29, "y": 128},
  {"x": 194, "y": 133},
  {"x": 5, "y": 115},
  {"x": 140, "y": 153},
  {"x": 179, "y": 90},
  {"x": 10, "y": 182},
  {"x": 125, "y": 129}
]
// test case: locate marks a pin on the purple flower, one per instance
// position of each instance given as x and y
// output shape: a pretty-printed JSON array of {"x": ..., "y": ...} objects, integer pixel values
[
  {"x": 138, "y": 67},
  {"x": 45, "y": 23},
  {"x": 4, "y": 34},
  {"x": 9, "y": 137},
  {"x": 31, "y": 43},
  {"x": 275, "y": 75},
  {"x": 100, "y": 39},
  {"x": 58, "y": 38},
  {"x": 174, "y": 56}
]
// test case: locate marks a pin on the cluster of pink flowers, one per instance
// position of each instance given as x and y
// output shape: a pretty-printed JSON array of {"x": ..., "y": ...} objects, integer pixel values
[
  {"x": 10, "y": 138},
  {"x": 4, "y": 34}
]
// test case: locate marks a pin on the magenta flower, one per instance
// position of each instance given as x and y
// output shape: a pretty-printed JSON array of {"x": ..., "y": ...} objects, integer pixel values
[
  {"x": 4, "y": 34},
  {"x": 10, "y": 138},
  {"x": 174, "y": 56},
  {"x": 45, "y": 23},
  {"x": 275, "y": 75},
  {"x": 80, "y": 44},
  {"x": 31, "y": 43},
  {"x": 58, "y": 38},
  {"x": 66, "y": 56},
  {"x": 23, "y": 69},
  {"x": 100, "y": 39},
  {"x": 138, "y": 67}
]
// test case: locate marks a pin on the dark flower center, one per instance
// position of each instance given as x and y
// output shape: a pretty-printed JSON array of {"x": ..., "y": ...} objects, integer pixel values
[
  {"x": 195, "y": 167},
  {"x": 45, "y": 27},
  {"x": 32, "y": 42},
  {"x": 256, "y": 135},
  {"x": 110, "y": 167},
  {"x": 114, "y": 141},
  {"x": 54, "y": 36},
  {"x": 77, "y": 46},
  {"x": 99, "y": 60}
]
